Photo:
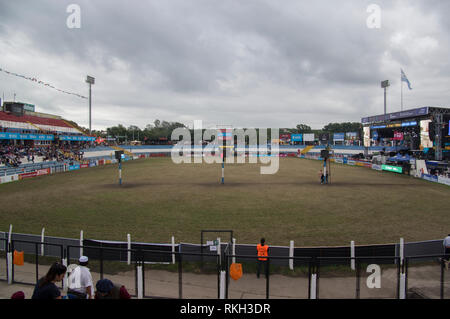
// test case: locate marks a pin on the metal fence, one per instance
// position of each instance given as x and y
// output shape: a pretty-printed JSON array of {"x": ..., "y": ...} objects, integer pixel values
[{"x": 190, "y": 271}]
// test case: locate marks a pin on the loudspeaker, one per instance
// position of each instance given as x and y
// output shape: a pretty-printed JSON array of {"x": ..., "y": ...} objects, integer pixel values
[{"x": 119, "y": 155}]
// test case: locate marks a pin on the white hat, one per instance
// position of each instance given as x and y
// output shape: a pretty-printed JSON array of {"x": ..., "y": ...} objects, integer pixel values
[{"x": 83, "y": 259}]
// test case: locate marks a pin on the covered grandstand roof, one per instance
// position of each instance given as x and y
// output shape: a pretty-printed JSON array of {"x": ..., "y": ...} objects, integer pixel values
[{"x": 9, "y": 120}]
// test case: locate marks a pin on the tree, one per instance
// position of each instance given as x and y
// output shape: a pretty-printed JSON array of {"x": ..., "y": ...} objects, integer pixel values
[{"x": 303, "y": 128}]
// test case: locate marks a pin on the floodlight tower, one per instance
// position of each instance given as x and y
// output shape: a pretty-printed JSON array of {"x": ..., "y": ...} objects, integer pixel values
[
  {"x": 384, "y": 85},
  {"x": 90, "y": 80}
]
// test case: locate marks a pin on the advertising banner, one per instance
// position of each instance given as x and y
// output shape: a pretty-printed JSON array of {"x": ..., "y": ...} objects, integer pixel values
[
  {"x": 390, "y": 168},
  {"x": 44, "y": 171},
  {"x": 431, "y": 178},
  {"x": 84, "y": 165},
  {"x": 27, "y": 175},
  {"x": 425, "y": 141},
  {"x": 351, "y": 136},
  {"x": 377, "y": 167},
  {"x": 76, "y": 138},
  {"x": 351, "y": 162},
  {"x": 338, "y": 136},
  {"x": 444, "y": 180},
  {"x": 224, "y": 134},
  {"x": 366, "y": 136},
  {"x": 339, "y": 160},
  {"x": 308, "y": 137},
  {"x": 297, "y": 137},
  {"x": 19, "y": 136},
  {"x": 375, "y": 135},
  {"x": 74, "y": 167},
  {"x": 398, "y": 136},
  {"x": 324, "y": 137},
  {"x": 285, "y": 137},
  {"x": 394, "y": 116}
]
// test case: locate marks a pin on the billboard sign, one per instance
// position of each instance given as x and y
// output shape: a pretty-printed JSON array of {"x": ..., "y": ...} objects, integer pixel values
[
  {"x": 76, "y": 138},
  {"x": 398, "y": 136},
  {"x": 390, "y": 168},
  {"x": 297, "y": 137},
  {"x": 351, "y": 136},
  {"x": 395, "y": 116},
  {"x": 338, "y": 136},
  {"x": 308, "y": 137},
  {"x": 19, "y": 136}
]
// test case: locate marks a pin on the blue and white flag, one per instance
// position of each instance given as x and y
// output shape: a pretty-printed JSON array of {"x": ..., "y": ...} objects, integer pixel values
[{"x": 405, "y": 79}]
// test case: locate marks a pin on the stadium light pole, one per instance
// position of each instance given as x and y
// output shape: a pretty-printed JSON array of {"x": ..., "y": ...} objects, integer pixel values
[
  {"x": 90, "y": 80},
  {"x": 384, "y": 85}
]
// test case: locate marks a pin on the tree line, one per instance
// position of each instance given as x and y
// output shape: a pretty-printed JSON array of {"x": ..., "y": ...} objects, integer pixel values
[{"x": 162, "y": 130}]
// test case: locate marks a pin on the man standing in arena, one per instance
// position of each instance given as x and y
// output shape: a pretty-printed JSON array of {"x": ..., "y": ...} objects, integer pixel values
[{"x": 263, "y": 253}]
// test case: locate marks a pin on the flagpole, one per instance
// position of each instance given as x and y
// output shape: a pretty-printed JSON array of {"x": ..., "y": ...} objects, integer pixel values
[{"x": 401, "y": 90}]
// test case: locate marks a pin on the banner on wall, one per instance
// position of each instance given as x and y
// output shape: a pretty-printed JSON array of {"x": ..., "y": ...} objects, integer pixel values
[
  {"x": 308, "y": 137},
  {"x": 444, "y": 180},
  {"x": 366, "y": 136},
  {"x": 297, "y": 137},
  {"x": 19, "y": 136},
  {"x": 338, "y": 136},
  {"x": 398, "y": 136},
  {"x": 77, "y": 138},
  {"x": 425, "y": 141}
]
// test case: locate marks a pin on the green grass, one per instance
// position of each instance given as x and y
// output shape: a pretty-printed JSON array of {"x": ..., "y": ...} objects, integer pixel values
[{"x": 159, "y": 199}]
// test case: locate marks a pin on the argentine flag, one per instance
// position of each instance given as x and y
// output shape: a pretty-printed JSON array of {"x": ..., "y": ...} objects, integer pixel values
[{"x": 405, "y": 79}]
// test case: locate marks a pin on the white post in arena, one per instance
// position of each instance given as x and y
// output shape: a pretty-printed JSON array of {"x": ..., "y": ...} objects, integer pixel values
[
  {"x": 402, "y": 292},
  {"x": 173, "y": 250},
  {"x": 129, "y": 249},
  {"x": 233, "y": 251},
  {"x": 9, "y": 256},
  {"x": 402, "y": 286},
  {"x": 222, "y": 284},
  {"x": 313, "y": 286},
  {"x": 140, "y": 287},
  {"x": 65, "y": 282},
  {"x": 402, "y": 251},
  {"x": 291, "y": 255},
  {"x": 42, "y": 241},
  {"x": 218, "y": 250},
  {"x": 81, "y": 243},
  {"x": 352, "y": 255}
]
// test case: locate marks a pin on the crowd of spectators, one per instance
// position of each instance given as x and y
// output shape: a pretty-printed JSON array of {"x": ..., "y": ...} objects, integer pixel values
[{"x": 15, "y": 155}]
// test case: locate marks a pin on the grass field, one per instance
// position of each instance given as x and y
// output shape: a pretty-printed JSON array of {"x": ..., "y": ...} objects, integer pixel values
[{"x": 159, "y": 199}]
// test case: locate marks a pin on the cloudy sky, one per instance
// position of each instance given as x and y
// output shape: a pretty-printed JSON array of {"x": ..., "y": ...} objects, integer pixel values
[{"x": 252, "y": 63}]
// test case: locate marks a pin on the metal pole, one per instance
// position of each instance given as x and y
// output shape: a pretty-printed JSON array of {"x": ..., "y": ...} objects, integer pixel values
[
  {"x": 90, "y": 107},
  {"x": 120, "y": 172},
  {"x": 384, "y": 101},
  {"x": 401, "y": 90}
]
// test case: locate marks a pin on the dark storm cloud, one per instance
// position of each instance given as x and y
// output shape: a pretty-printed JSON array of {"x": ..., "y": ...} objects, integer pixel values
[{"x": 248, "y": 63}]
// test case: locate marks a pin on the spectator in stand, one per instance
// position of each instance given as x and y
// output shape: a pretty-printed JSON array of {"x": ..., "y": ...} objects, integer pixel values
[
  {"x": 46, "y": 288},
  {"x": 18, "y": 295},
  {"x": 80, "y": 281},
  {"x": 446, "y": 244},
  {"x": 106, "y": 289}
]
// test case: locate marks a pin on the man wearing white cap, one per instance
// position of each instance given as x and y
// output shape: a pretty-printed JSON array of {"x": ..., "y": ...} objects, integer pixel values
[{"x": 80, "y": 281}]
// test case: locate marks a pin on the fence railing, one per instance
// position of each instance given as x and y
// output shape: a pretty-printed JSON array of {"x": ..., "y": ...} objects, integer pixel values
[{"x": 177, "y": 274}]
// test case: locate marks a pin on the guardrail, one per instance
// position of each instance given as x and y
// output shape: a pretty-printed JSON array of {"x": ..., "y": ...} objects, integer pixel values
[{"x": 310, "y": 277}]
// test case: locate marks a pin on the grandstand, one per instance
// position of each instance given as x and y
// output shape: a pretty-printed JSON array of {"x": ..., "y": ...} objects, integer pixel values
[{"x": 31, "y": 141}]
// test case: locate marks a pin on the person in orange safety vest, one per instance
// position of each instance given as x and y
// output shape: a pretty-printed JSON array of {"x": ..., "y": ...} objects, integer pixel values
[{"x": 263, "y": 252}]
